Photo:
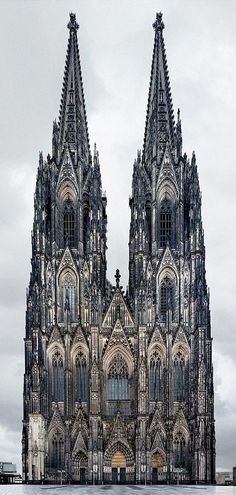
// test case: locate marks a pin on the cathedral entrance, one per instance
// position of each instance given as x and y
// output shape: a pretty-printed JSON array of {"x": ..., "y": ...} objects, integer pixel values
[
  {"x": 79, "y": 467},
  {"x": 118, "y": 466},
  {"x": 158, "y": 467}
]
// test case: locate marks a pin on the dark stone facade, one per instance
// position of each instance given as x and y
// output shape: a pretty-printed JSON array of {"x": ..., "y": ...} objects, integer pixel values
[{"x": 118, "y": 387}]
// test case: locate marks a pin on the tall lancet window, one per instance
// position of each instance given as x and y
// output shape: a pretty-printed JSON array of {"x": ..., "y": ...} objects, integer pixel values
[
  {"x": 57, "y": 450},
  {"x": 155, "y": 377},
  {"x": 179, "y": 450},
  {"x": 57, "y": 377},
  {"x": 68, "y": 295},
  {"x": 69, "y": 224},
  {"x": 118, "y": 387},
  {"x": 81, "y": 378},
  {"x": 165, "y": 224},
  {"x": 179, "y": 377},
  {"x": 166, "y": 297}
]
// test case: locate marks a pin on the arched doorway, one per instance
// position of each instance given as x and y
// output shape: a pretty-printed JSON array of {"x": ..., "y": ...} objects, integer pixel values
[
  {"x": 119, "y": 463},
  {"x": 158, "y": 463},
  {"x": 118, "y": 468},
  {"x": 79, "y": 467}
]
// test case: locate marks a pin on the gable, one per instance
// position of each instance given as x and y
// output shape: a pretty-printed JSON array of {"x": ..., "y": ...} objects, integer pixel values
[
  {"x": 167, "y": 182},
  {"x": 117, "y": 309},
  {"x": 118, "y": 338},
  {"x": 67, "y": 261},
  {"x": 67, "y": 180}
]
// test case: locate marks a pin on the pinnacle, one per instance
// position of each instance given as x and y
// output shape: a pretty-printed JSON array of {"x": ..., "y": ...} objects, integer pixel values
[{"x": 117, "y": 277}]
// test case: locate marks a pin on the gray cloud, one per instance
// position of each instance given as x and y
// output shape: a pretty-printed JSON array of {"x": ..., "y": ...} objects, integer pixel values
[{"x": 116, "y": 41}]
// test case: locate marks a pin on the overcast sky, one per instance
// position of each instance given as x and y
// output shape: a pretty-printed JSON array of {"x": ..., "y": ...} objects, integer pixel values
[{"x": 116, "y": 43}]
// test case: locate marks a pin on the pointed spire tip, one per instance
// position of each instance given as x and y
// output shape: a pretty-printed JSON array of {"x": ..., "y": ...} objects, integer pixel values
[
  {"x": 158, "y": 25},
  {"x": 73, "y": 25}
]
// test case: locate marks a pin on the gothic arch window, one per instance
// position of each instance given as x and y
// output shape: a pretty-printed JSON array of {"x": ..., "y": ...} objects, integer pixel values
[
  {"x": 155, "y": 377},
  {"x": 118, "y": 386},
  {"x": 57, "y": 451},
  {"x": 81, "y": 377},
  {"x": 166, "y": 297},
  {"x": 179, "y": 377},
  {"x": 165, "y": 224},
  {"x": 179, "y": 450},
  {"x": 57, "y": 377},
  {"x": 68, "y": 295},
  {"x": 69, "y": 224}
]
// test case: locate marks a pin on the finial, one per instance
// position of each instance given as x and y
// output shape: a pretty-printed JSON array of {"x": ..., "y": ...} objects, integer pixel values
[
  {"x": 193, "y": 160},
  {"x": 73, "y": 25},
  {"x": 178, "y": 115},
  {"x": 117, "y": 277},
  {"x": 95, "y": 153},
  {"x": 41, "y": 158},
  {"x": 158, "y": 24}
]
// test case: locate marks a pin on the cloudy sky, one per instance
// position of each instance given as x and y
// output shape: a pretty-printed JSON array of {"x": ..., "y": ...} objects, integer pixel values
[{"x": 116, "y": 42}]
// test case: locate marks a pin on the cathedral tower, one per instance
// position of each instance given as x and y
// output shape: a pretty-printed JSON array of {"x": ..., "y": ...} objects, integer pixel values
[
  {"x": 168, "y": 292},
  {"x": 118, "y": 387}
]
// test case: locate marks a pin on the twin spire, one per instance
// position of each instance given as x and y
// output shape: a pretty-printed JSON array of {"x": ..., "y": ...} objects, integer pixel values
[
  {"x": 72, "y": 119},
  {"x": 160, "y": 125}
]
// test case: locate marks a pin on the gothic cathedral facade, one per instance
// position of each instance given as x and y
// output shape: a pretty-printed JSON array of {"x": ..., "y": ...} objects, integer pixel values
[{"x": 118, "y": 387}]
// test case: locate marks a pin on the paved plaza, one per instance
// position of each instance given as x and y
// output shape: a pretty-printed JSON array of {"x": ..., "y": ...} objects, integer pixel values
[{"x": 116, "y": 490}]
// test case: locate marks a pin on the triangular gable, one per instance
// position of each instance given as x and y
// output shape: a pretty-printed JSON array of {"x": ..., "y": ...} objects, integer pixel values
[
  {"x": 56, "y": 421},
  {"x": 157, "y": 442},
  {"x": 117, "y": 300},
  {"x": 118, "y": 337},
  {"x": 167, "y": 260},
  {"x": 80, "y": 444},
  {"x": 79, "y": 424},
  {"x": 156, "y": 337},
  {"x": 167, "y": 171},
  {"x": 180, "y": 337},
  {"x": 180, "y": 421},
  {"x": 55, "y": 336},
  {"x": 67, "y": 261},
  {"x": 118, "y": 431},
  {"x": 67, "y": 173},
  {"x": 79, "y": 336},
  {"x": 156, "y": 420}
]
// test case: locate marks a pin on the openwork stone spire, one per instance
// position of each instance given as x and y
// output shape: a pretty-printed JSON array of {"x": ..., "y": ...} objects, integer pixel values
[
  {"x": 160, "y": 125},
  {"x": 72, "y": 119}
]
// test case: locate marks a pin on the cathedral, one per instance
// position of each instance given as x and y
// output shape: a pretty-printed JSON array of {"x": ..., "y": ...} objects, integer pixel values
[{"x": 118, "y": 386}]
